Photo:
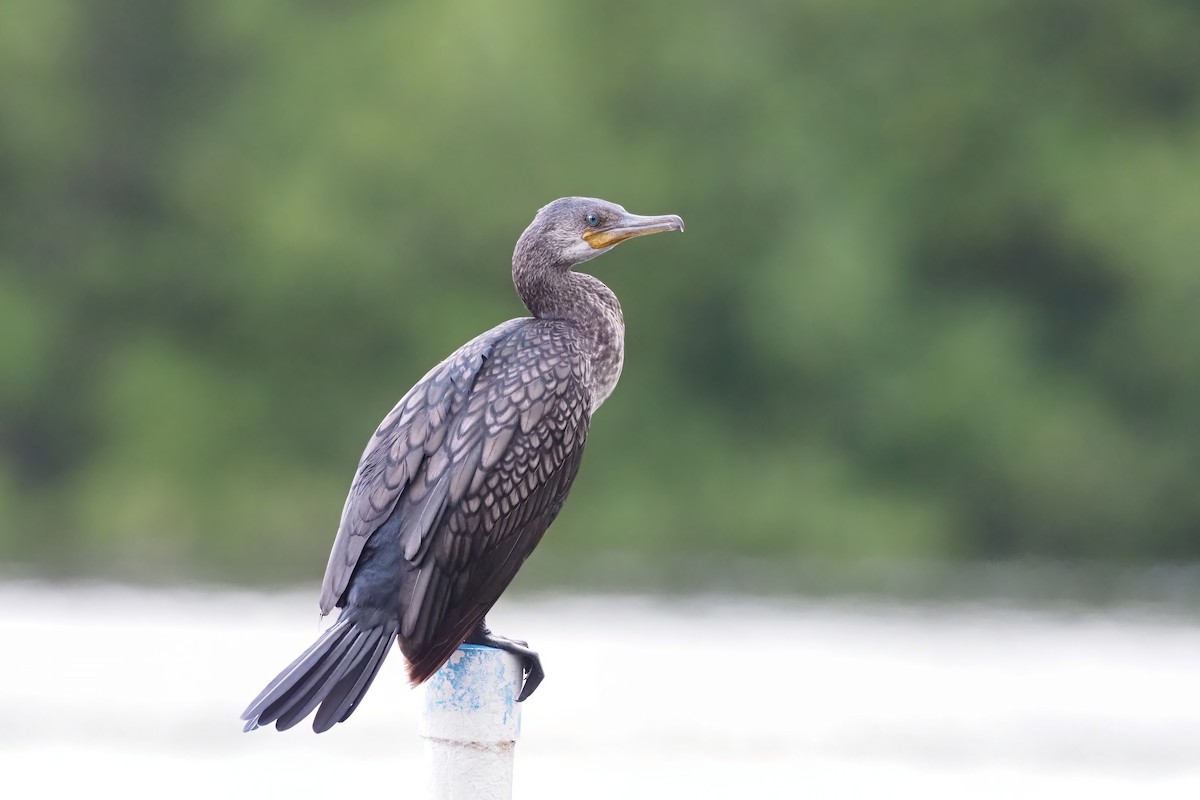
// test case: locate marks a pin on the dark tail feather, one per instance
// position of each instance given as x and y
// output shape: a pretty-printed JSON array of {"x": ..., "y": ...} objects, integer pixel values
[
  {"x": 346, "y": 656},
  {"x": 341, "y": 701}
]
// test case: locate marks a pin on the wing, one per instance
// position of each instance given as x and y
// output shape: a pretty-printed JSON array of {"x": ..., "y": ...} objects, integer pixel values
[
  {"x": 513, "y": 455},
  {"x": 412, "y": 432},
  {"x": 460, "y": 481}
]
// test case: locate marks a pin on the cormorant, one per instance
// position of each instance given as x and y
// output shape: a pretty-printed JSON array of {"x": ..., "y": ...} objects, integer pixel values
[{"x": 462, "y": 478}]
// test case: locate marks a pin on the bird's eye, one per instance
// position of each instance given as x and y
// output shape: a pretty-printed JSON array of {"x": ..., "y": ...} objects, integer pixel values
[{"x": 593, "y": 220}]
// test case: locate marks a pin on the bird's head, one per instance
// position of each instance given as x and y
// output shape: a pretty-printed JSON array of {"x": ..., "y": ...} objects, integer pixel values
[{"x": 572, "y": 230}]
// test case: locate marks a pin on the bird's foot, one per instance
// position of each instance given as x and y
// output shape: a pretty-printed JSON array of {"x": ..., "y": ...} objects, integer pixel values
[{"x": 531, "y": 663}]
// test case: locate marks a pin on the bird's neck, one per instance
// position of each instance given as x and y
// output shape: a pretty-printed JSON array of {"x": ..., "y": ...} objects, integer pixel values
[{"x": 592, "y": 307}]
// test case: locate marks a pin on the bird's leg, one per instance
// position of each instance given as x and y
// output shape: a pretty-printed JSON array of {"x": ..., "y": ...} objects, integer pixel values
[{"x": 530, "y": 662}]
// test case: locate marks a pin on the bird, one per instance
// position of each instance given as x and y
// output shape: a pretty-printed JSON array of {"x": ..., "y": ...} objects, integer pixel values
[{"x": 461, "y": 479}]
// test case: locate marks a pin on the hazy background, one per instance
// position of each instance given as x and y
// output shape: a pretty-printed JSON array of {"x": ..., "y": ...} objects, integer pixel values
[
  {"x": 908, "y": 427},
  {"x": 936, "y": 304}
]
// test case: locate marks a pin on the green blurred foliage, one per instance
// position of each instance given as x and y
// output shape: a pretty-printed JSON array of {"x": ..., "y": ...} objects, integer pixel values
[{"x": 938, "y": 296}]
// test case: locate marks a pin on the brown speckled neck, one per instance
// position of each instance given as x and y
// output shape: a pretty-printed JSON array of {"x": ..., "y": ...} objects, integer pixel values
[{"x": 553, "y": 292}]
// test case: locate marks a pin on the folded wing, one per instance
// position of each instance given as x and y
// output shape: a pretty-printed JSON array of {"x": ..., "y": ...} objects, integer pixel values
[{"x": 458, "y": 484}]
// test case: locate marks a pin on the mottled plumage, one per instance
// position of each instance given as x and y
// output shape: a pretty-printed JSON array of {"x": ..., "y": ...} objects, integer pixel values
[{"x": 461, "y": 480}]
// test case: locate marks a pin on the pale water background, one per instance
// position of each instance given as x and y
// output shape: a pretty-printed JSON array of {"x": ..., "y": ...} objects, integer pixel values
[{"x": 136, "y": 693}]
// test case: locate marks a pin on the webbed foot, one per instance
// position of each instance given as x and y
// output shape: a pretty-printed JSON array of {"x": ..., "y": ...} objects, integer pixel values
[{"x": 531, "y": 663}]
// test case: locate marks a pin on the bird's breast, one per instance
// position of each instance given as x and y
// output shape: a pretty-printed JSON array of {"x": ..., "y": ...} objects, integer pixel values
[{"x": 606, "y": 342}]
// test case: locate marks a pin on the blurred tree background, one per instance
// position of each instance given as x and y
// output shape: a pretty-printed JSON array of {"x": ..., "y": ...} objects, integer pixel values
[{"x": 938, "y": 299}]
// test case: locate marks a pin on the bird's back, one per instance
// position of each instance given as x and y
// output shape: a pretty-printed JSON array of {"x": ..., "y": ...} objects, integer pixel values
[{"x": 458, "y": 485}]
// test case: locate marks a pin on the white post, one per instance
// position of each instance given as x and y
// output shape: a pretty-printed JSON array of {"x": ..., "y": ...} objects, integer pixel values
[{"x": 471, "y": 724}]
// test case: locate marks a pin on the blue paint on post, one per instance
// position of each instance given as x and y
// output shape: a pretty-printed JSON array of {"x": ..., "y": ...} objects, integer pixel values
[
  {"x": 475, "y": 680},
  {"x": 471, "y": 723},
  {"x": 510, "y": 701},
  {"x": 464, "y": 692}
]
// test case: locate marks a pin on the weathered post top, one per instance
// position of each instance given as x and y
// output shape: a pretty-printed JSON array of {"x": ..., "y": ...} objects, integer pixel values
[{"x": 471, "y": 723}]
